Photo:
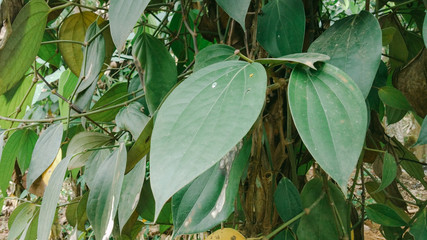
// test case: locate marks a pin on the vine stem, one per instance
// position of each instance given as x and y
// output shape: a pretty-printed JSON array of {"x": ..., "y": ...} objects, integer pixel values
[{"x": 237, "y": 52}]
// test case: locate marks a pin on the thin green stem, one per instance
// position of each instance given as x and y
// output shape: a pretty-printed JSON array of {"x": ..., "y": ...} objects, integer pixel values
[
  {"x": 244, "y": 57},
  {"x": 63, "y": 41},
  {"x": 374, "y": 150},
  {"x": 61, "y": 7}
]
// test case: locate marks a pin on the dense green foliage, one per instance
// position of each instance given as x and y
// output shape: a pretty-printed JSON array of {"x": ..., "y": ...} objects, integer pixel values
[{"x": 262, "y": 116}]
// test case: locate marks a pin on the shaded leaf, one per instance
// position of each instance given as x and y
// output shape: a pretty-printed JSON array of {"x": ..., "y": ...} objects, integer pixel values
[
  {"x": 132, "y": 119},
  {"x": 389, "y": 171},
  {"x": 156, "y": 68},
  {"x": 236, "y": 10},
  {"x": 141, "y": 147},
  {"x": 105, "y": 193},
  {"x": 388, "y": 35},
  {"x": 122, "y": 26},
  {"x": 320, "y": 222},
  {"x": 354, "y": 45},
  {"x": 225, "y": 97},
  {"x": 115, "y": 95},
  {"x": 76, "y": 212},
  {"x": 287, "y": 201},
  {"x": 83, "y": 141},
  {"x": 44, "y": 152},
  {"x": 12, "y": 99},
  {"x": 284, "y": 235},
  {"x": 422, "y": 138},
  {"x": 330, "y": 114},
  {"x": 209, "y": 199},
  {"x": 130, "y": 193},
  {"x": 308, "y": 59},
  {"x": 49, "y": 52},
  {"x": 39, "y": 185},
  {"x": 384, "y": 215},
  {"x": 51, "y": 198},
  {"x": 214, "y": 54},
  {"x": 419, "y": 227},
  {"x": 394, "y": 115},
  {"x": 425, "y": 31},
  {"x": 281, "y": 27},
  {"x": 23, "y": 44},
  {"x": 394, "y": 98}
]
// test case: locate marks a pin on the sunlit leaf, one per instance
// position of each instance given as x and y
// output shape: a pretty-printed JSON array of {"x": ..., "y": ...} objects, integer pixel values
[
  {"x": 214, "y": 54},
  {"x": 223, "y": 98},
  {"x": 123, "y": 17},
  {"x": 44, "y": 152},
  {"x": 156, "y": 68},
  {"x": 330, "y": 115},
  {"x": 354, "y": 45},
  {"x": 281, "y": 27},
  {"x": 384, "y": 215},
  {"x": 23, "y": 44},
  {"x": 105, "y": 193},
  {"x": 50, "y": 199},
  {"x": 236, "y": 10}
]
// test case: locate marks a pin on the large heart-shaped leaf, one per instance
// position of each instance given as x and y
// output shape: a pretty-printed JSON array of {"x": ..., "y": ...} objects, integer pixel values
[
  {"x": 74, "y": 28},
  {"x": 105, "y": 193},
  {"x": 23, "y": 44},
  {"x": 93, "y": 57},
  {"x": 123, "y": 17},
  {"x": 19, "y": 147},
  {"x": 213, "y": 54},
  {"x": 50, "y": 199},
  {"x": 209, "y": 199},
  {"x": 281, "y": 27},
  {"x": 156, "y": 68},
  {"x": 236, "y": 9},
  {"x": 330, "y": 115},
  {"x": 354, "y": 45},
  {"x": 45, "y": 151},
  {"x": 223, "y": 98},
  {"x": 12, "y": 99}
]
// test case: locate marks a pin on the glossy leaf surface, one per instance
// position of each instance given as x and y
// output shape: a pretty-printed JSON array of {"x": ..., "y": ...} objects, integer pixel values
[
  {"x": 281, "y": 27},
  {"x": 23, "y": 44},
  {"x": 308, "y": 59},
  {"x": 214, "y": 54},
  {"x": 384, "y": 215},
  {"x": 123, "y": 17},
  {"x": 105, "y": 193},
  {"x": 50, "y": 199},
  {"x": 226, "y": 97},
  {"x": 354, "y": 45},
  {"x": 45, "y": 151},
  {"x": 93, "y": 163},
  {"x": 236, "y": 10},
  {"x": 156, "y": 68},
  {"x": 210, "y": 198},
  {"x": 330, "y": 115}
]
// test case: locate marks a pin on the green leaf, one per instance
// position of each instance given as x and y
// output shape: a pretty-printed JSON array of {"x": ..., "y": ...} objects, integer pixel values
[
  {"x": 384, "y": 215},
  {"x": 320, "y": 222},
  {"x": 214, "y": 54},
  {"x": 330, "y": 115},
  {"x": 419, "y": 227},
  {"x": 394, "y": 115},
  {"x": 19, "y": 147},
  {"x": 105, "y": 193},
  {"x": 425, "y": 30},
  {"x": 131, "y": 190},
  {"x": 12, "y": 99},
  {"x": 30, "y": 233},
  {"x": 281, "y": 27},
  {"x": 389, "y": 171},
  {"x": 388, "y": 35},
  {"x": 141, "y": 146},
  {"x": 308, "y": 59},
  {"x": 422, "y": 138},
  {"x": 21, "y": 47},
  {"x": 285, "y": 235},
  {"x": 225, "y": 97},
  {"x": 132, "y": 119},
  {"x": 45, "y": 151},
  {"x": 83, "y": 141},
  {"x": 74, "y": 28},
  {"x": 209, "y": 199},
  {"x": 287, "y": 201},
  {"x": 394, "y": 98},
  {"x": 115, "y": 95},
  {"x": 93, "y": 57},
  {"x": 50, "y": 52},
  {"x": 66, "y": 85},
  {"x": 20, "y": 221},
  {"x": 156, "y": 68},
  {"x": 123, "y": 17},
  {"x": 84, "y": 98},
  {"x": 236, "y": 10},
  {"x": 51, "y": 198},
  {"x": 354, "y": 45}
]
